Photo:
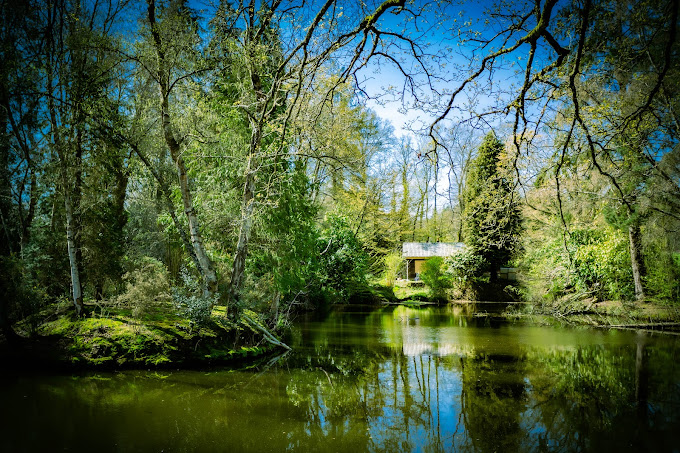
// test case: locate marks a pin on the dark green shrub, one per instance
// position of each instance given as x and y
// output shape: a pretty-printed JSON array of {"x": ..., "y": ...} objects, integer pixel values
[
  {"x": 342, "y": 260},
  {"x": 464, "y": 267},
  {"x": 191, "y": 301}
]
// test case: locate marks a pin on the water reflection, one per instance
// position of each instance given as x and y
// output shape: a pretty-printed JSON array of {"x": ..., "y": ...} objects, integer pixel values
[{"x": 394, "y": 379}]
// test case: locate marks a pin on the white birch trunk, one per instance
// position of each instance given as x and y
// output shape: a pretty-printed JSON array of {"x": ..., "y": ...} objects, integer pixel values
[{"x": 206, "y": 267}]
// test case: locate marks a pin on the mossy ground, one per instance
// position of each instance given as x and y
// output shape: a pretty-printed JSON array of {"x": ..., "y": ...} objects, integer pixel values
[{"x": 113, "y": 338}]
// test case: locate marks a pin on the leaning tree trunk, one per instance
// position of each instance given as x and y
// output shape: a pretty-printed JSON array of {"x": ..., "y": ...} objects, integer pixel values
[
  {"x": 637, "y": 260},
  {"x": 207, "y": 268}
]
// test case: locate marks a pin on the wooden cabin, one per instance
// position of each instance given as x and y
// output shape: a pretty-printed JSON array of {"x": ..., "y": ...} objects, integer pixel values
[{"x": 415, "y": 254}]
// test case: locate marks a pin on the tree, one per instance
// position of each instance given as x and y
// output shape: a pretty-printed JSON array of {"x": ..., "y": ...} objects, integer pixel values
[
  {"x": 492, "y": 220},
  {"x": 174, "y": 43},
  {"x": 278, "y": 66},
  {"x": 602, "y": 76},
  {"x": 74, "y": 88}
]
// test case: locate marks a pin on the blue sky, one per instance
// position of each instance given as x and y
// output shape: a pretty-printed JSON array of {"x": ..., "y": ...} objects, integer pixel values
[{"x": 440, "y": 27}]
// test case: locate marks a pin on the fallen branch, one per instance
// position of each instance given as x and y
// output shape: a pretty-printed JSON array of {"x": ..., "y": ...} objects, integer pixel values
[{"x": 267, "y": 335}]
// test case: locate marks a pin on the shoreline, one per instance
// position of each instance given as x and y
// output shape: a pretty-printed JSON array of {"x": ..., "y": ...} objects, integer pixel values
[{"x": 119, "y": 343}]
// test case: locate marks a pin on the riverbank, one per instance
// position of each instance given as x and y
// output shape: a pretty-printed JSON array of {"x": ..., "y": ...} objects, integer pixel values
[
  {"x": 647, "y": 315},
  {"x": 502, "y": 300},
  {"x": 114, "y": 339},
  {"x": 599, "y": 314}
]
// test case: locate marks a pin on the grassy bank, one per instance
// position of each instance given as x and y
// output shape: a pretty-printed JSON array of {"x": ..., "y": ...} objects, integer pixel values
[{"x": 115, "y": 339}]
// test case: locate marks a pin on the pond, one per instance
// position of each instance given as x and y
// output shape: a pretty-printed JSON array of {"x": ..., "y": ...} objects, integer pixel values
[{"x": 390, "y": 379}]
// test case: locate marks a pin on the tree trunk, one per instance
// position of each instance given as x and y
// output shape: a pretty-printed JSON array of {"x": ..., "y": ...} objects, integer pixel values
[
  {"x": 637, "y": 260},
  {"x": 60, "y": 147},
  {"x": 76, "y": 199},
  {"x": 76, "y": 288},
  {"x": 247, "y": 209},
  {"x": 32, "y": 203},
  {"x": 5, "y": 182},
  {"x": 404, "y": 211},
  {"x": 206, "y": 267},
  {"x": 165, "y": 191}
]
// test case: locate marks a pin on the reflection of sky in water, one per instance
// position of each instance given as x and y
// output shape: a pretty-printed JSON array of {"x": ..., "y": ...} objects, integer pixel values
[{"x": 431, "y": 388}]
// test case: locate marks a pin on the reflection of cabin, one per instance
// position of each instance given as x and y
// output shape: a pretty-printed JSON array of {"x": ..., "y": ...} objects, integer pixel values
[{"x": 415, "y": 254}]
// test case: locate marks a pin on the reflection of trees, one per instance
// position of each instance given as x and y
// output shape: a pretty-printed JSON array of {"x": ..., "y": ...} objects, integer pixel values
[
  {"x": 350, "y": 386},
  {"x": 579, "y": 394},
  {"x": 396, "y": 393},
  {"x": 492, "y": 402},
  {"x": 499, "y": 389},
  {"x": 411, "y": 419}
]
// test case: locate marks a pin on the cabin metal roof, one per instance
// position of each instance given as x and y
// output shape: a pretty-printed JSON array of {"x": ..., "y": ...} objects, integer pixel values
[{"x": 429, "y": 249}]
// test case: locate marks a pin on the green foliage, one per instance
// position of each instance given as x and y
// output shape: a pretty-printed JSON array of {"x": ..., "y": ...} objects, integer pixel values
[
  {"x": 44, "y": 256},
  {"x": 283, "y": 265},
  {"x": 596, "y": 262},
  {"x": 491, "y": 221},
  {"x": 393, "y": 265},
  {"x": 548, "y": 269},
  {"x": 464, "y": 266},
  {"x": 342, "y": 260},
  {"x": 146, "y": 286},
  {"x": 663, "y": 273},
  {"x": 191, "y": 300},
  {"x": 22, "y": 297},
  {"x": 434, "y": 275},
  {"x": 602, "y": 262}
]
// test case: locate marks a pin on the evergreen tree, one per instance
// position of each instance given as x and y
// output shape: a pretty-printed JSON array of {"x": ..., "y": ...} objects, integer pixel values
[{"x": 491, "y": 220}]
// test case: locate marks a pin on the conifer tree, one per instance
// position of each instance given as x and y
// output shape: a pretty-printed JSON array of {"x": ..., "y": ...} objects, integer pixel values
[{"x": 491, "y": 219}]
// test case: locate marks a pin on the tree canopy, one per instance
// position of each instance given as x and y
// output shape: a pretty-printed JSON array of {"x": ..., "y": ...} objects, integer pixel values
[{"x": 231, "y": 145}]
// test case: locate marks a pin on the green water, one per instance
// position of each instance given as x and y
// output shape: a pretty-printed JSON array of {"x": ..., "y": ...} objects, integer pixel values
[{"x": 390, "y": 379}]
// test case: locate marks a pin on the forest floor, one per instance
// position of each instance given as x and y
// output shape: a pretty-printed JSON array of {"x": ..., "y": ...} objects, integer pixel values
[{"x": 114, "y": 338}]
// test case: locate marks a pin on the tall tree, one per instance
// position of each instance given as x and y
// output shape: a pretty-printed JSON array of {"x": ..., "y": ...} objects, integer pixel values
[
  {"x": 279, "y": 61},
  {"x": 175, "y": 40},
  {"x": 491, "y": 220},
  {"x": 609, "y": 68}
]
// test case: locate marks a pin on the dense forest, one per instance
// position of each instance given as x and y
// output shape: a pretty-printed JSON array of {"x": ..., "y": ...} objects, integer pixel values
[{"x": 225, "y": 163}]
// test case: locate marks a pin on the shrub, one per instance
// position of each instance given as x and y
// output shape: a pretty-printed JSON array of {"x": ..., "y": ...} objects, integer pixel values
[
  {"x": 663, "y": 275},
  {"x": 20, "y": 295},
  {"x": 190, "y": 300},
  {"x": 602, "y": 263},
  {"x": 393, "y": 263},
  {"x": 464, "y": 266},
  {"x": 435, "y": 277},
  {"x": 342, "y": 259},
  {"x": 146, "y": 286}
]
